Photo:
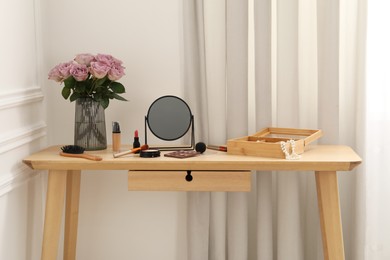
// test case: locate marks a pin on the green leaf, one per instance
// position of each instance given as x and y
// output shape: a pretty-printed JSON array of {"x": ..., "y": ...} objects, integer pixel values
[
  {"x": 65, "y": 92},
  {"x": 100, "y": 90},
  {"x": 74, "y": 96},
  {"x": 80, "y": 87},
  {"x": 104, "y": 102},
  {"x": 97, "y": 96},
  {"x": 100, "y": 82},
  {"x": 116, "y": 96},
  {"x": 70, "y": 82},
  {"x": 117, "y": 87}
]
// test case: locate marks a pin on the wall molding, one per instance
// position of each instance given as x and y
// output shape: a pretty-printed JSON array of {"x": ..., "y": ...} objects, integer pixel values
[
  {"x": 22, "y": 175},
  {"x": 19, "y": 174},
  {"x": 21, "y": 137},
  {"x": 20, "y": 97}
]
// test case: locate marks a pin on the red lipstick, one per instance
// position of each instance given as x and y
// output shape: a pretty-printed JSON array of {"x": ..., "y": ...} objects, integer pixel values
[{"x": 136, "y": 142}]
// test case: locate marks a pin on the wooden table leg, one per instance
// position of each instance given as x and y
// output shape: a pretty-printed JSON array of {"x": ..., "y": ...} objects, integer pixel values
[
  {"x": 53, "y": 215},
  {"x": 330, "y": 216},
  {"x": 71, "y": 214}
]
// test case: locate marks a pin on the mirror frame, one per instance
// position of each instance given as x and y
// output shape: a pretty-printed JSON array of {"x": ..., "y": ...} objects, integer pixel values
[{"x": 190, "y": 126}]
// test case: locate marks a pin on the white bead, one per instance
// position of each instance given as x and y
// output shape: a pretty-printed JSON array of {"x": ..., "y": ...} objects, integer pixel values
[{"x": 293, "y": 155}]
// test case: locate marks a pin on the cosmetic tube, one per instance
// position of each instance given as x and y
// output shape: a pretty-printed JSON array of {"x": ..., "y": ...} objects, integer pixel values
[
  {"x": 136, "y": 142},
  {"x": 116, "y": 137}
]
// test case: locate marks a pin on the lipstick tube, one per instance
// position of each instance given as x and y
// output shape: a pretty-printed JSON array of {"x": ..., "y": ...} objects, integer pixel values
[{"x": 136, "y": 142}]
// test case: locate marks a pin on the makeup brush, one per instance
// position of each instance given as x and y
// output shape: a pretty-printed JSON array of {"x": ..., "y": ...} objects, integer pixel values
[
  {"x": 78, "y": 152},
  {"x": 143, "y": 147},
  {"x": 221, "y": 148},
  {"x": 200, "y": 147}
]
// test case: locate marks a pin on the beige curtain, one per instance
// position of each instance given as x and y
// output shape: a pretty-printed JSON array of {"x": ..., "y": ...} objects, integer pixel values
[
  {"x": 252, "y": 64},
  {"x": 374, "y": 184},
  {"x": 215, "y": 78}
]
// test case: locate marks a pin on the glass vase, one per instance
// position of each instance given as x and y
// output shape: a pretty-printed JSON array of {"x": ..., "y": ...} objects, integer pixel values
[{"x": 90, "y": 125}]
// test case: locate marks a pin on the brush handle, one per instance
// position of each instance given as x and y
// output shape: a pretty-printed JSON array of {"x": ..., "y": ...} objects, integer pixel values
[
  {"x": 218, "y": 148},
  {"x": 82, "y": 155},
  {"x": 116, "y": 155}
]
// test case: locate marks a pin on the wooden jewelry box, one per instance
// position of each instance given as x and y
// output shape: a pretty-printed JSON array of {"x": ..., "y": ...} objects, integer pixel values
[{"x": 270, "y": 142}]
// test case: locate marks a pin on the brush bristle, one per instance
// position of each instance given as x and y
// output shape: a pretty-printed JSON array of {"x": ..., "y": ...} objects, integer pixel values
[{"x": 74, "y": 149}]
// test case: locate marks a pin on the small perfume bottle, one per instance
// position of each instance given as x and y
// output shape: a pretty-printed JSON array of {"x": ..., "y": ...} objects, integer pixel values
[{"x": 116, "y": 137}]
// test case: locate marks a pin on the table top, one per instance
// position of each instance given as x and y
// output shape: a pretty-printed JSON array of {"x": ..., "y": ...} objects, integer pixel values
[{"x": 315, "y": 158}]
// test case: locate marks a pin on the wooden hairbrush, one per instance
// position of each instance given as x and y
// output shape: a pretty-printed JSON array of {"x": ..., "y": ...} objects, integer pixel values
[{"x": 76, "y": 151}]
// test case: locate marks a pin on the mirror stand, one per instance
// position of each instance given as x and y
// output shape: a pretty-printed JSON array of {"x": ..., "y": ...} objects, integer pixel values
[{"x": 191, "y": 146}]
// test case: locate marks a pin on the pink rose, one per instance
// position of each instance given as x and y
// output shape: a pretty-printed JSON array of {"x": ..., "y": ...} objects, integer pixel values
[
  {"x": 54, "y": 74},
  {"x": 99, "y": 69},
  {"x": 61, "y": 72},
  {"x": 64, "y": 69},
  {"x": 105, "y": 58},
  {"x": 84, "y": 58},
  {"x": 116, "y": 72},
  {"x": 79, "y": 72},
  {"x": 116, "y": 61}
]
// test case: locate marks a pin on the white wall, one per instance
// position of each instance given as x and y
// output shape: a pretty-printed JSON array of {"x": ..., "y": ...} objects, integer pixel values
[
  {"x": 22, "y": 131},
  {"x": 143, "y": 34},
  {"x": 114, "y": 223},
  {"x": 146, "y": 36}
]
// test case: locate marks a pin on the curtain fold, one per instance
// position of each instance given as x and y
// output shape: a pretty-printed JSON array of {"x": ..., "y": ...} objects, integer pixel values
[
  {"x": 375, "y": 180},
  {"x": 304, "y": 75},
  {"x": 237, "y": 119},
  {"x": 264, "y": 80},
  {"x": 222, "y": 32}
]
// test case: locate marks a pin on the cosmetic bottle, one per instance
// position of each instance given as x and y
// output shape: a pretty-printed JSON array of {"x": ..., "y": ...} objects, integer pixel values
[
  {"x": 136, "y": 142},
  {"x": 116, "y": 137}
]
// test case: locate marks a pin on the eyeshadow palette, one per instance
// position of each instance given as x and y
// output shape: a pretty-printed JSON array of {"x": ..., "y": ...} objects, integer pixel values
[{"x": 182, "y": 154}]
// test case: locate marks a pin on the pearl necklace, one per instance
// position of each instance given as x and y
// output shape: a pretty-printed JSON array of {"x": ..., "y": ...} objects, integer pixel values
[{"x": 293, "y": 155}]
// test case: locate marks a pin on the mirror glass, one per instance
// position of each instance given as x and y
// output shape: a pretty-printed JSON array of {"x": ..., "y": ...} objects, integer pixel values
[{"x": 169, "y": 118}]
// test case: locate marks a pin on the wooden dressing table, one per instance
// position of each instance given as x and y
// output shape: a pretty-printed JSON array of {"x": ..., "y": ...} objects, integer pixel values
[{"x": 211, "y": 171}]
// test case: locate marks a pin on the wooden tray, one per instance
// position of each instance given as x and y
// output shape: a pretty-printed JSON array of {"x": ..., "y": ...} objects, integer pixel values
[{"x": 267, "y": 142}]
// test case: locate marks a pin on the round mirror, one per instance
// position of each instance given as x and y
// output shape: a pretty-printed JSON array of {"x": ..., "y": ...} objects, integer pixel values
[{"x": 169, "y": 118}]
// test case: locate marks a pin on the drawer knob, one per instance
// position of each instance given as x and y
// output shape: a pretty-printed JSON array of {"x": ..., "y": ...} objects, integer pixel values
[{"x": 189, "y": 176}]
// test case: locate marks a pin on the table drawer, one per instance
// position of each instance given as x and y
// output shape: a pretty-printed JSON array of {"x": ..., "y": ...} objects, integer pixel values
[{"x": 189, "y": 180}]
